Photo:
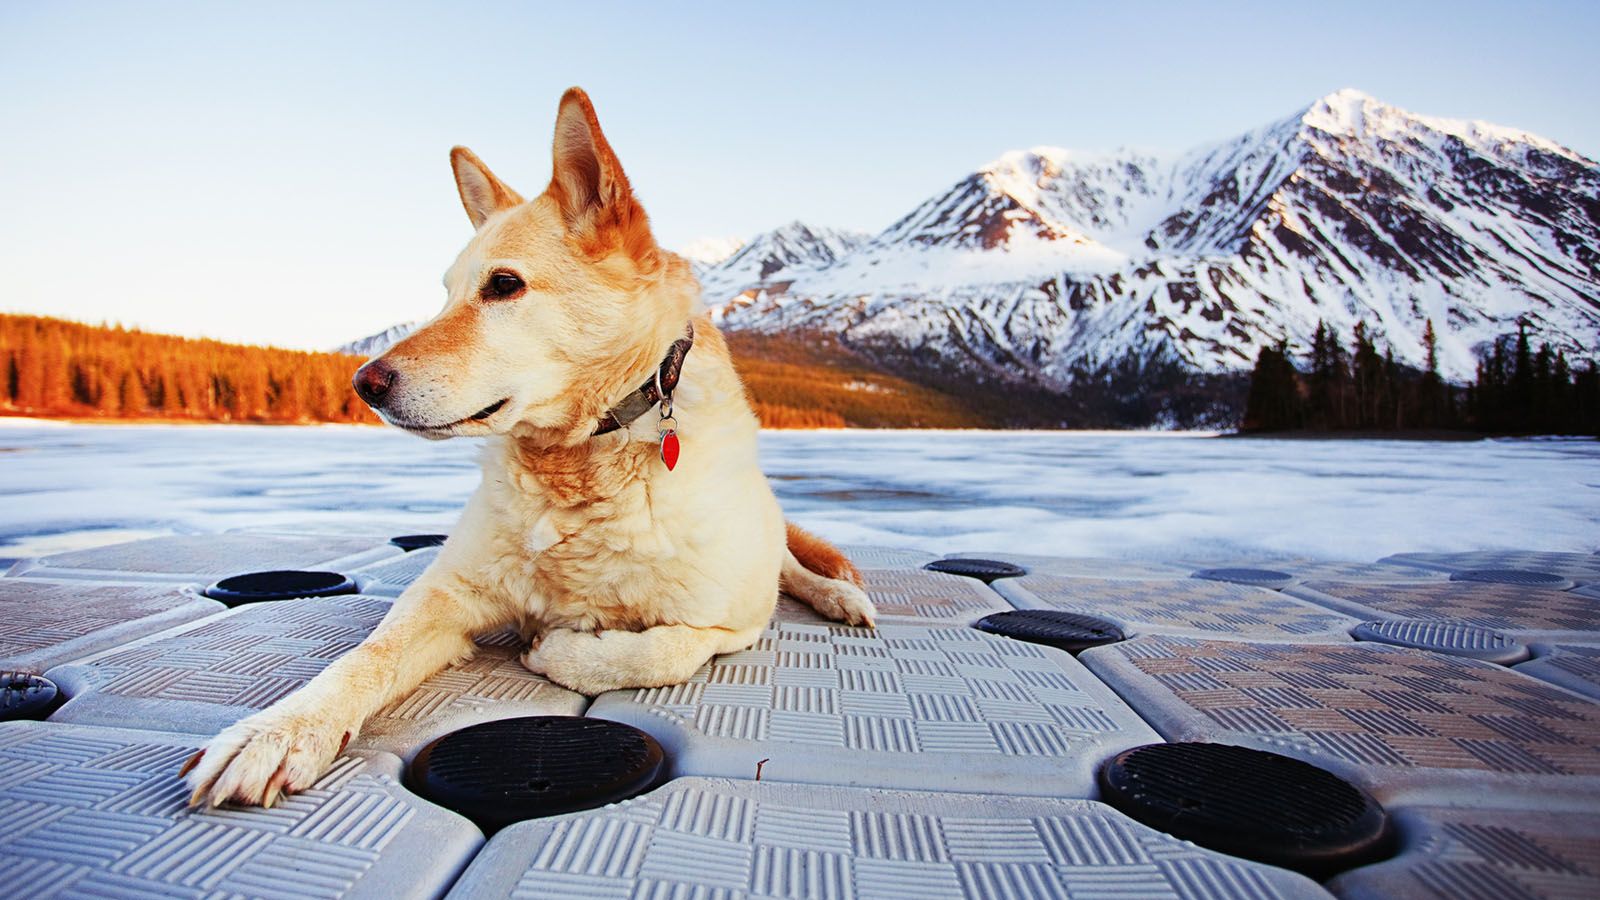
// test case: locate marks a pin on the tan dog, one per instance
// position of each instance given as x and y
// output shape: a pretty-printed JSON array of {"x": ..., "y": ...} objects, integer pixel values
[{"x": 563, "y": 316}]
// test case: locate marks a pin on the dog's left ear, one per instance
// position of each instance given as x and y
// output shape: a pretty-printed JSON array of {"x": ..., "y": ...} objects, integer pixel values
[{"x": 588, "y": 184}]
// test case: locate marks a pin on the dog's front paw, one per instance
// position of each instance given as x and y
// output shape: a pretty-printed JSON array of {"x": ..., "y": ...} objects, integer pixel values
[
  {"x": 844, "y": 601},
  {"x": 263, "y": 756}
]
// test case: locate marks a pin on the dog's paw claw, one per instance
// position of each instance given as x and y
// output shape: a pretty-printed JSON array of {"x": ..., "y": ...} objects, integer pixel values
[
  {"x": 190, "y": 763},
  {"x": 259, "y": 759}
]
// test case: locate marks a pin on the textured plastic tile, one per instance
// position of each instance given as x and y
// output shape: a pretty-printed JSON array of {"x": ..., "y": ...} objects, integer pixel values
[
  {"x": 101, "y": 812},
  {"x": 869, "y": 557},
  {"x": 1522, "y": 612},
  {"x": 46, "y": 623},
  {"x": 391, "y": 577},
  {"x": 1304, "y": 569},
  {"x": 493, "y": 684},
  {"x": 902, "y": 706},
  {"x": 1571, "y": 666},
  {"x": 1086, "y": 567},
  {"x": 205, "y": 558},
  {"x": 1448, "y": 854},
  {"x": 204, "y": 678},
  {"x": 1405, "y": 725},
  {"x": 1188, "y": 606},
  {"x": 1583, "y": 568},
  {"x": 920, "y": 595},
  {"x": 711, "y": 838}
]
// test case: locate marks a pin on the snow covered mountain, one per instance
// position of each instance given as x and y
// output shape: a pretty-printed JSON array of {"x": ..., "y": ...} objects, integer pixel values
[
  {"x": 1049, "y": 261},
  {"x": 782, "y": 255},
  {"x": 374, "y": 344}
]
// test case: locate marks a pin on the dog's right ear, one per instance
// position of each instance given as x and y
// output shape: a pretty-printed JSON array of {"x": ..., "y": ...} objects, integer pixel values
[{"x": 482, "y": 193}]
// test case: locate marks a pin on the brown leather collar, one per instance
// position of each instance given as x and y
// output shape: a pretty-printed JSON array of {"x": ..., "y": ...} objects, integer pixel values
[{"x": 651, "y": 392}]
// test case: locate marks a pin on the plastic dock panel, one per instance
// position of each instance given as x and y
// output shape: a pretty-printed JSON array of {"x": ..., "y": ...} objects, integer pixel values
[
  {"x": 701, "y": 837},
  {"x": 1190, "y": 606},
  {"x": 1405, "y": 725},
  {"x": 101, "y": 812},
  {"x": 902, "y": 706},
  {"x": 48, "y": 623}
]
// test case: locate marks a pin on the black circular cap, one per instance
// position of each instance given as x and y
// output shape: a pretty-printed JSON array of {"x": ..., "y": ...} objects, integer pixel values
[
  {"x": 410, "y": 542},
  {"x": 985, "y": 570},
  {"x": 260, "y": 587},
  {"x": 1268, "y": 578},
  {"x": 505, "y": 771},
  {"x": 1520, "y": 577},
  {"x": 1249, "y": 803},
  {"x": 1068, "y": 631},
  {"x": 1454, "y": 638},
  {"x": 24, "y": 696}
]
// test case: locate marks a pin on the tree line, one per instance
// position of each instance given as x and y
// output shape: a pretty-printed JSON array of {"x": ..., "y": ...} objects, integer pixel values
[
  {"x": 53, "y": 367},
  {"x": 1517, "y": 390}
]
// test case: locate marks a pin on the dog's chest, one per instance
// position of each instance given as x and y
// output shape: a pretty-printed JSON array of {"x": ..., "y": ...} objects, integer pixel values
[{"x": 605, "y": 564}]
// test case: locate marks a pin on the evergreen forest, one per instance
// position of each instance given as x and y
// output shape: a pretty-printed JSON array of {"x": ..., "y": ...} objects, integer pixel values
[{"x": 1518, "y": 390}]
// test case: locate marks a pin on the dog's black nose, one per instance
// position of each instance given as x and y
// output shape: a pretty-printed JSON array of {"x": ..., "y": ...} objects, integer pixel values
[{"x": 373, "y": 381}]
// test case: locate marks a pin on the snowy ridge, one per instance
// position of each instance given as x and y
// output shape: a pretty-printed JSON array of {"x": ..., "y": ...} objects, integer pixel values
[
  {"x": 1349, "y": 210},
  {"x": 372, "y": 345}
]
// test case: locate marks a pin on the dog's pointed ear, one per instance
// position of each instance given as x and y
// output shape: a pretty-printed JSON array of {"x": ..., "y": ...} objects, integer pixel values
[
  {"x": 587, "y": 181},
  {"x": 482, "y": 193}
]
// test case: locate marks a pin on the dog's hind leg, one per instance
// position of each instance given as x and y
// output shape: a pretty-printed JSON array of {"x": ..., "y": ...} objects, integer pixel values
[
  {"x": 815, "y": 572},
  {"x": 596, "y": 662}
]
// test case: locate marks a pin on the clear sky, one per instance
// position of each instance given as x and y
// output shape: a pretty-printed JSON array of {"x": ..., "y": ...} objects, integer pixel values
[{"x": 277, "y": 172}]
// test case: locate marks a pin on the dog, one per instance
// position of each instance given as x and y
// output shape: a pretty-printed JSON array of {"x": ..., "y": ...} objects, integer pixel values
[{"x": 623, "y": 522}]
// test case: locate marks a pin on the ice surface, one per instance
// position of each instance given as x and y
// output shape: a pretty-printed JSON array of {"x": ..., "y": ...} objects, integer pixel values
[{"x": 1127, "y": 495}]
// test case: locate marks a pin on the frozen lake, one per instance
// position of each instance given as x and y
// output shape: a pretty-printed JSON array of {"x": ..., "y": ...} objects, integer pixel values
[{"x": 1131, "y": 495}]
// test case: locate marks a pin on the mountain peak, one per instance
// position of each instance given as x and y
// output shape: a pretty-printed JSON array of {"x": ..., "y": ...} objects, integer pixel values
[
  {"x": 708, "y": 251},
  {"x": 1348, "y": 112}
]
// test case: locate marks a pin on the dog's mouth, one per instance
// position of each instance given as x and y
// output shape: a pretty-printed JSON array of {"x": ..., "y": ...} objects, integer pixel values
[
  {"x": 488, "y": 411},
  {"x": 445, "y": 430}
]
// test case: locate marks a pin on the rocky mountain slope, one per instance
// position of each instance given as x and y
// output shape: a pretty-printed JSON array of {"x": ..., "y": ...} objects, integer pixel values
[{"x": 1048, "y": 263}]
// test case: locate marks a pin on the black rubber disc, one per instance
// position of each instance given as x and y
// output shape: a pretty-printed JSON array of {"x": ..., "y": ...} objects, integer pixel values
[
  {"x": 261, "y": 587},
  {"x": 410, "y": 542},
  {"x": 1519, "y": 577},
  {"x": 985, "y": 570},
  {"x": 502, "y": 772},
  {"x": 24, "y": 696},
  {"x": 1249, "y": 803},
  {"x": 1068, "y": 631},
  {"x": 1444, "y": 637},
  {"x": 1267, "y": 578}
]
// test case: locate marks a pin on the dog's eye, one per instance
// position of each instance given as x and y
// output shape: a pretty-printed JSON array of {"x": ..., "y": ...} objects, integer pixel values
[{"x": 502, "y": 285}]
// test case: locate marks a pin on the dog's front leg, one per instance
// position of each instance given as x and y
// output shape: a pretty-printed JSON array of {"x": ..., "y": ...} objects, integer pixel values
[{"x": 287, "y": 746}]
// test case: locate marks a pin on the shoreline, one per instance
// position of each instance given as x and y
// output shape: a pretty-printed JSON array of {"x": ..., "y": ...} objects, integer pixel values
[{"x": 1415, "y": 435}]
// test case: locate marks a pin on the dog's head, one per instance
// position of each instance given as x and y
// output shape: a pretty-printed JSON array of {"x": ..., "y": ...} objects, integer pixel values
[{"x": 558, "y": 307}]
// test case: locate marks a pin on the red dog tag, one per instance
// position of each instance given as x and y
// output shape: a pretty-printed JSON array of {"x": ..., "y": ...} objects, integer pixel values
[{"x": 669, "y": 449}]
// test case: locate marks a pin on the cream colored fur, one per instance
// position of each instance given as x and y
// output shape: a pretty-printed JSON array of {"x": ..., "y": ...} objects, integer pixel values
[{"x": 623, "y": 574}]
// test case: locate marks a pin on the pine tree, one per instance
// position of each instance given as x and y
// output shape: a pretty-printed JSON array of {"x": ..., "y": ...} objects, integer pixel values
[{"x": 1430, "y": 411}]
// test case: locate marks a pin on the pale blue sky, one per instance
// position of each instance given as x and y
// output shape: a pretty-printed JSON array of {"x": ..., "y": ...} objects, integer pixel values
[{"x": 277, "y": 172}]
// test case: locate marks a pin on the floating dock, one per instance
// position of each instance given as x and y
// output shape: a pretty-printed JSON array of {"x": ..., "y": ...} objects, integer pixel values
[{"x": 1426, "y": 725}]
